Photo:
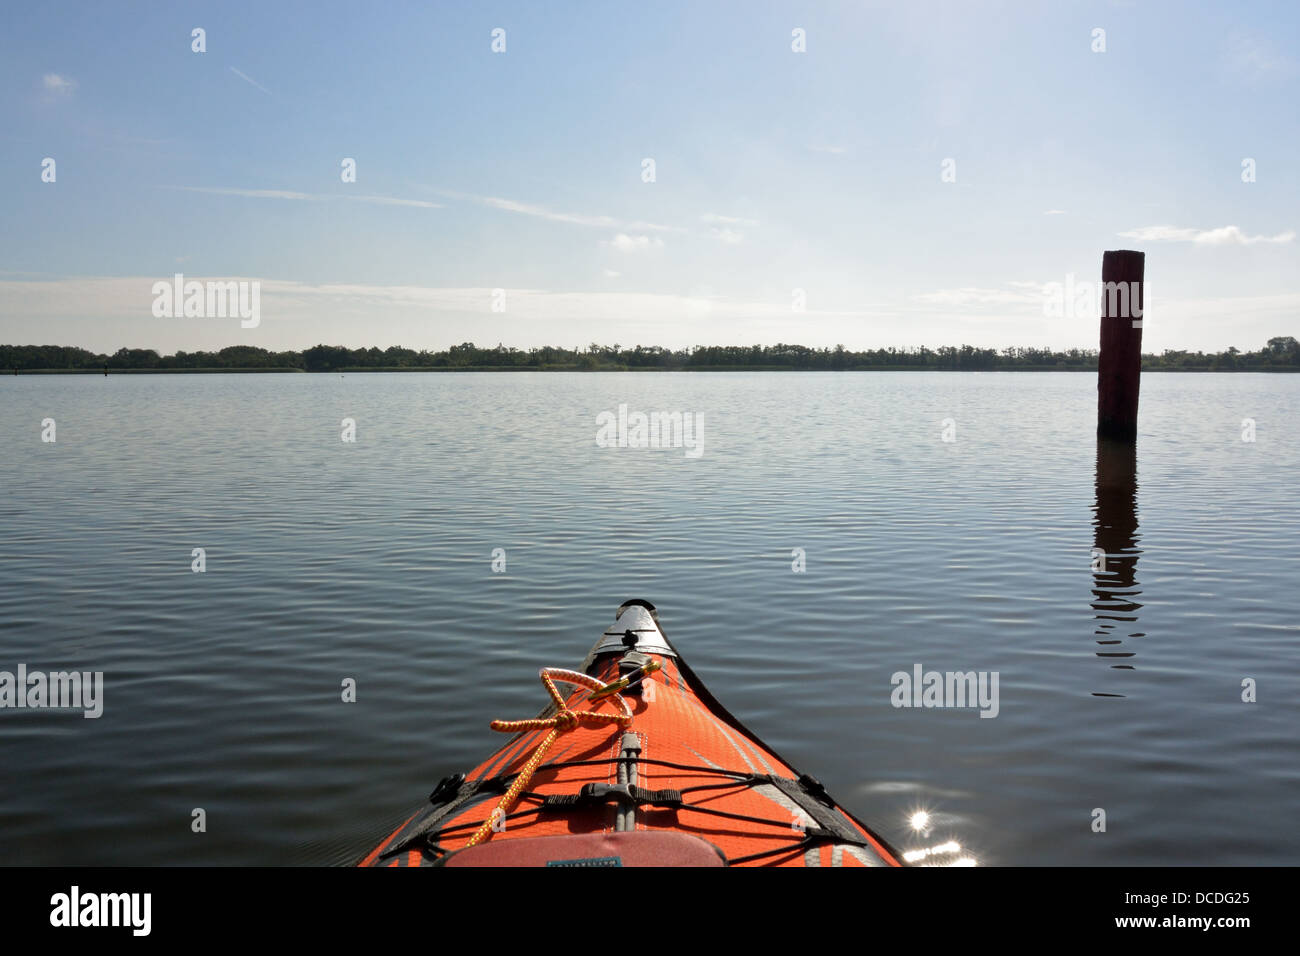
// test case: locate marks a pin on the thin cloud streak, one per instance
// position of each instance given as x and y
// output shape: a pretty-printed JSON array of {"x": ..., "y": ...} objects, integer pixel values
[
  {"x": 977, "y": 297},
  {"x": 715, "y": 219},
  {"x": 248, "y": 79},
  {"x": 1222, "y": 236},
  {"x": 571, "y": 218},
  {"x": 392, "y": 201},
  {"x": 305, "y": 197}
]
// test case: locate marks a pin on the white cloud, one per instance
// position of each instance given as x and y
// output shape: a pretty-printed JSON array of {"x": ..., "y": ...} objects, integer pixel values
[
  {"x": 248, "y": 79},
  {"x": 58, "y": 85},
  {"x": 710, "y": 217},
  {"x": 723, "y": 231},
  {"x": 248, "y": 193},
  {"x": 306, "y": 197},
  {"x": 572, "y": 218},
  {"x": 1222, "y": 236},
  {"x": 625, "y": 243},
  {"x": 391, "y": 201},
  {"x": 1252, "y": 58},
  {"x": 1022, "y": 293},
  {"x": 1054, "y": 212},
  {"x": 611, "y": 274},
  {"x": 540, "y": 212}
]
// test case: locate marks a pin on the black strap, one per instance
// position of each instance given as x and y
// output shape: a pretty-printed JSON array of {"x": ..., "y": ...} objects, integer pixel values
[
  {"x": 807, "y": 794},
  {"x": 456, "y": 791},
  {"x": 624, "y": 794}
]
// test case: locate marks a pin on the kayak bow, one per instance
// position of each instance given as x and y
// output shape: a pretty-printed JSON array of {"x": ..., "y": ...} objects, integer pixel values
[{"x": 638, "y": 765}]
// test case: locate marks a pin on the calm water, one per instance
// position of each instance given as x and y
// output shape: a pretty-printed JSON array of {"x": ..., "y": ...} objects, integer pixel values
[{"x": 372, "y": 560}]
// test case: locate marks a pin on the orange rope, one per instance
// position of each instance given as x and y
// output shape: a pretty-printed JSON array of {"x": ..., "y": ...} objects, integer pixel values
[{"x": 564, "y": 719}]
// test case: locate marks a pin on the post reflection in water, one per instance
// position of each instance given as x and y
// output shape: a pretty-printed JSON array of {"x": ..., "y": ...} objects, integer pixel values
[{"x": 1115, "y": 553}]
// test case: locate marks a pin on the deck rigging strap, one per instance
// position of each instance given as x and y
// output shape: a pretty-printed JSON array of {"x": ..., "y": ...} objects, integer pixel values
[
  {"x": 625, "y": 795},
  {"x": 456, "y": 791},
  {"x": 809, "y": 796}
]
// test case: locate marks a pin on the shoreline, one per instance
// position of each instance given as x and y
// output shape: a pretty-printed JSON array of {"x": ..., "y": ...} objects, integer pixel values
[
  {"x": 1279, "y": 353},
  {"x": 216, "y": 370}
]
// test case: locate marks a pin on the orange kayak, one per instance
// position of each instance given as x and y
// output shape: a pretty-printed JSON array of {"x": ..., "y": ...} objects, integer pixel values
[{"x": 633, "y": 764}]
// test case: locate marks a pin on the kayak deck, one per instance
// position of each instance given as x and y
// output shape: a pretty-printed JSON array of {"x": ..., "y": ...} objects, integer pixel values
[{"x": 684, "y": 783}]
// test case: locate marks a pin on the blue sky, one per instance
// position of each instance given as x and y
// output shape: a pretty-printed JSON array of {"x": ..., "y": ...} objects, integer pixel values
[{"x": 522, "y": 171}]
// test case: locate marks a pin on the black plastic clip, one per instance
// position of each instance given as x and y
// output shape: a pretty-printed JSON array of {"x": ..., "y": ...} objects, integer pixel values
[
  {"x": 816, "y": 789},
  {"x": 447, "y": 788}
]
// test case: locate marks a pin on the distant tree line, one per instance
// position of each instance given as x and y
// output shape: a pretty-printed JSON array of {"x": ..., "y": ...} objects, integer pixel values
[{"x": 1280, "y": 353}]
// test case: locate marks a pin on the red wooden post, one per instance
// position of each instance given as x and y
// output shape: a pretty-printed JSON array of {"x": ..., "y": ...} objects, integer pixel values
[{"x": 1119, "y": 366}]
